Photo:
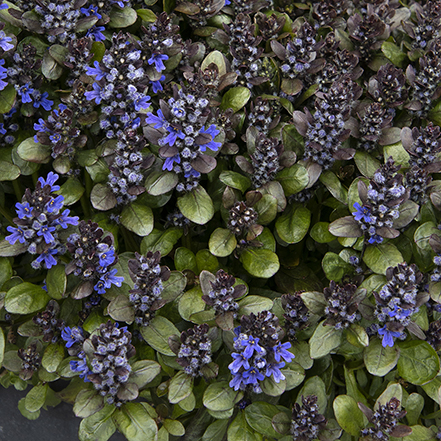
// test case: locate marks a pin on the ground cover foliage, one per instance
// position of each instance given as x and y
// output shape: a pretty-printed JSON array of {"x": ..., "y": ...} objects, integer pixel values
[{"x": 220, "y": 219}]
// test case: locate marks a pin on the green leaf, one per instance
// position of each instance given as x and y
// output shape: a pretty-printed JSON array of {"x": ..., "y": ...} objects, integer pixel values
[
  {"x": 293, "y": 179},
  {"x": 254, "y": 304},
  {"x": 272, "y": 388},
  {"x": 174, "y": 427},
  {"x": 190, "y": 303},
  {"x": 196, "y": 206},
  {"x": 398, "y": 153},
  {"x": 135, "y": 423},
  {"x": 380, "y": 257},
  {"x": 414, "y": 407},
  {"x": 393, "y": 53},
  {"x": 239, "y": 430},
  {"x": 50, "y": 68},
  {"x": 366, "y": 164},
  {"x": 220, "y": 396},
  {"x": 174, "y": 286},
  {"x": 267, "y": 209},
  {"x": 259, "y": 416},
  {"x": 335, "y": 187},
  {"x": 324, "y": 340},
  {"x": 222, "y": 242},
  {"x": 146, "y": 15},
  {"x": 121, "y": 309},
  {"x": 206, "y": 261},
  {"x": 157, "y": 333},
  {"x": 137, "y": 218},
  {"x": 25, "y": 299},
  {"x": 420, "y": 433},
  {"x": 144, "y": 371},
  {"x": 162, "y": 241},
  {"x": 29, "y": 415},
  {"x": 99, "y": 426},
  {"x": 294, "y": 375},
  {"x": 72, "y": 190},
  {"x": 320, "y": 233},
  {"x": 260, "y": 262},
  {"x": 216, "y": 431},
  {"x": 36, "y": 397},
  {"x": 5, "y": 270},
  {"x": 235, "y": 180},
  {"x": 357, "y": 336},
  {"x": 53, "y": 356},
  {"x": 180, "y": 387},
  {"x": 293, "y": 224},
  {"x": 32, "y": 151},
  {"x": 160, "y": 182},
  {"x": 379, "y": 360},
  {"x": 87, "y": 403},
  {"x": 348, "y": 415},
  {"x": 122, "y": 18},
  {"x": 418, "y": 362},
  {"x": 8, "y": 171},
  {"x": 335, "y": 267},
  {"x": 2, "y": 346},
  {"x": 185, "y": 260},
  {"x": 7, "y": 98},
  {"x": 102, "y": 197},
  {"x": 235, "y": 98},
  {"x": 56, "y": 281}
]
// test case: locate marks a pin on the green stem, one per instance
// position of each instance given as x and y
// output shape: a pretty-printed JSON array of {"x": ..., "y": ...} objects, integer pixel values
[
  {"x": 17, "y": 190},
  {"x": 89, "y": 183},
  {"x": 7, "y": 215},
  {"x": 35, "y": 177},
  {"x": 129, "y": 241},
  {"x": 84, "y": 200},
  {"x": 186, "y": 241}
]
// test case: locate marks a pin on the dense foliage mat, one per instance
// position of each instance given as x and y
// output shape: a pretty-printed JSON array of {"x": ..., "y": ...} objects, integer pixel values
[{"x": 220, "y": 220}]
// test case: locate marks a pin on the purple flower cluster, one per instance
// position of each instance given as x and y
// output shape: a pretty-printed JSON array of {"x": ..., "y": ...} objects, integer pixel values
[
  {"x": 397, "y": 301},
  {"x": 110, "y": 371},
  {"x": 120, "y": 85},
  {"x": 184, "y": 136},
  {"x": 40, "y": 218},
  {"x": 260, "y": 353},
  {"x": 93, "y": 256},
  {"x": 147, "y": 276},
  {"x": 381, "y": 201}
]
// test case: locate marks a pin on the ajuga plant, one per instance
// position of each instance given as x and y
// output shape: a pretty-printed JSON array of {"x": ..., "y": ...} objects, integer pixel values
[{"x": 221, "y": 219}]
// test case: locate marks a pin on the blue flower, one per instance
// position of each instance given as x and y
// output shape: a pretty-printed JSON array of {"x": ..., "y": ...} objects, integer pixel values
[
  {"x": 281, "y": 351},
  {"x": 110, "y": 278},
  {"x": 3, "y": 5},
  {"x": 156, "y": 85},
  {"x": 361, "y": 212},
  {"x": 17, "y": 234},
  {"x": 96, "y": 71},
  {"x": 237, "y": 381},
  {"x": 40, "y": 99},
  {"x": 159, "y": 121},
  {"x": 375, "y": 239},
  {"x": 107, "y": 258},
  {"x": 80, "y": 366},
  {"x": 41, "y": 126},
  {"x": 142, "y": 103},
  {"x": 400, "y": 313},
  {"x": 23, "y": 210},
  {"x": 96, "y": 33},
  {"x": 252, "y": 344},
  {"x": 274, "y": 370},
  {"x": 252, "y": 376},
  {"x": 174, "y": 134},
  {"x": 46, "y": 231},
  {"x": 65, "y": 219},
  {"x": 212, "y": 145},
  {"x": 4, "y": 42},
  {"x": 227, "y": 2},
  {"x": 72, "y": 335},
  {"x": 94, "y": 94},
  {"x": 91, "y": 10},
  {"x": 239, "y": 361},
  {"x": 47, "y": 256},
  {"x": 388, "y": 336},
  {"x": 100, "y": 287},
  {"x": 25, "y": 93},
  {"x": 55, "y": 204},
  {"x": 158, "y": 59},
  {"x": 50, "y": 180},
  {"x": 192, "y": 172}
]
